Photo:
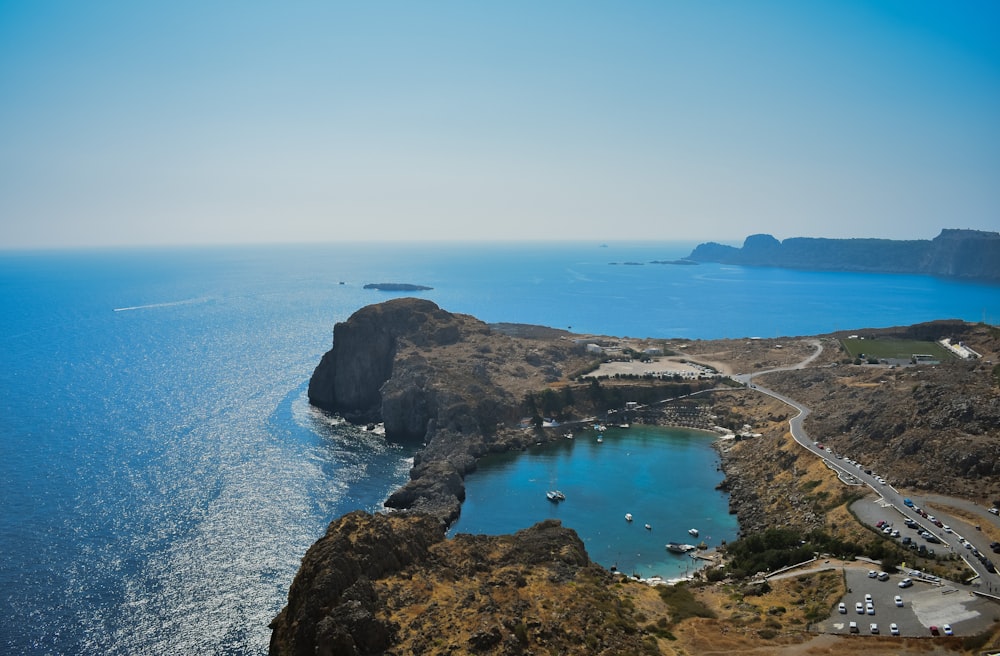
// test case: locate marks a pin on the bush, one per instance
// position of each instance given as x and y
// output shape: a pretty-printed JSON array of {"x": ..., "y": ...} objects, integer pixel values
[{"x": 682, "y": 603}]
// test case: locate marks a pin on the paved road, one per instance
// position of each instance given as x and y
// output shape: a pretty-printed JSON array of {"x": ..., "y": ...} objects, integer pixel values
[{"x": 987, "y": 582}]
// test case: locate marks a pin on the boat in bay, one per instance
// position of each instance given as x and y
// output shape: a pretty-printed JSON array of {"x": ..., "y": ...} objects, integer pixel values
[
  {"x": 555, "y": 496},
  {"x": 677, "y": 547}
]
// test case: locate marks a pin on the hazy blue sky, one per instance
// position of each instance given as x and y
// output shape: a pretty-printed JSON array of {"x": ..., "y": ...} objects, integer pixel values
[{"x": 226, "y": 122}]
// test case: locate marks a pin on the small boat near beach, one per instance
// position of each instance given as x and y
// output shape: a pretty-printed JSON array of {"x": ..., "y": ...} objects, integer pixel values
[
  {"x": 677, "y": 547},
  {"x": 555, "y": 496},
  {"x": 693, "y": 531}
]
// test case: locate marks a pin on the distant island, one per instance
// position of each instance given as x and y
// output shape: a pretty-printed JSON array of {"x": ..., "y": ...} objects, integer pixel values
[
  {"x": 682, "y": 262},
  {"x": 963, "y": 254},
  {"x": 396, "y": 287}
]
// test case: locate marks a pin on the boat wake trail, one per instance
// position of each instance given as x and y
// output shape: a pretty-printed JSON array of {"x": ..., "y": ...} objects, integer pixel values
[{"x": 150, "y": 306}]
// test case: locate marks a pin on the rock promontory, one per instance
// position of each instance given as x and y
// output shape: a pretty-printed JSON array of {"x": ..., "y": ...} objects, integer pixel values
[
  {"x": 449, "y": 381},
  {"x": 965, "y": 254}
]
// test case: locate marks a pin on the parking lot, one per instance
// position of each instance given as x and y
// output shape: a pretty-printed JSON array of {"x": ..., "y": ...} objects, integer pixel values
[{"x": 924, "y": 605}]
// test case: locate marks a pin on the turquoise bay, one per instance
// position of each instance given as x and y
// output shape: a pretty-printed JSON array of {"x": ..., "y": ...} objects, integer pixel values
[{"x": 663, "y": 477}]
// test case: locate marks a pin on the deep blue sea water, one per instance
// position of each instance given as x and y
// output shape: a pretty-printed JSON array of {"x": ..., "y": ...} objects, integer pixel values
[{"x": 162, "y": 473}]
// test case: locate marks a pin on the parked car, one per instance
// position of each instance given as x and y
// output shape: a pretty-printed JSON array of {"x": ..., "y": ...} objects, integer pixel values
[
  {"x": 842, "y": 607},
  {"x": 853, "y": 627},
  {"x": 905, "y": 583},
  {"x": 899, "y": 600},
  {"x": 859, "y": 608},
  {"x": 882, "y": 576},
  {"x": 874, "y": 627},
  {"x": 934, "y": 631},
  {"x": 947, "y": 629},
  {"x": 870, "y": 608},
  {"x": 995, "y": 511},
  {"x": 893, "y": 629},
  {"x": 872, "y": 573}
]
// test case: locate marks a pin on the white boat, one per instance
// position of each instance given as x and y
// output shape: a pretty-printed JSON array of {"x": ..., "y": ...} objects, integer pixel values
[
  {"x": 568, "y": 435},
  {"x": 555, "y": 495},
  {"x": 600, "y": 439},
  {"x": 648, "y": 527},
  {"x": 628, "y": 517},
  {"x": 677, "y": 547},
  {"x": 693, "y": 531}
]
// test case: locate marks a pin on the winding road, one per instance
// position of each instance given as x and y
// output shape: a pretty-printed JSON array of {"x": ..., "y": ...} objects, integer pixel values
[{"x": 977, "y": 539}]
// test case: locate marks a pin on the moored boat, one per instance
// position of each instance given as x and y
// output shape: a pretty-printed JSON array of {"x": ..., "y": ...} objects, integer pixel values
[
  {"x": 628, "y": 517},
  {"x": 693, "y": 531},
  {"x": 677, "y": 547},
  {"x": 555, "y": 495}
]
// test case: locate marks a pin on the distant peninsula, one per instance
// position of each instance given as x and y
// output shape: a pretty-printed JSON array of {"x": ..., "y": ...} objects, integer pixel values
[
  {"x": 962, "y": 254},
  {"x": 396, "y": 287}
]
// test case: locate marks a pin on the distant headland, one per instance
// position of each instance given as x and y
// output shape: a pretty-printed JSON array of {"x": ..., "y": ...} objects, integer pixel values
[{"x": 963, "y": 254}]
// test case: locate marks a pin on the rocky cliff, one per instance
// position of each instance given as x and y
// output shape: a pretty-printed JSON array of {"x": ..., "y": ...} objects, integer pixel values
[
  {"x": 967, "y": 254},
  {"x": 391, "y": 584},
  {"x": 447, "y": 380}
]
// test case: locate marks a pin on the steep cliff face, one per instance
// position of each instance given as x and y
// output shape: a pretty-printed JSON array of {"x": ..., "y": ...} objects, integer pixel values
[
  {"x": 445, "y": 379},
  {"x": 379, "y": 584},
  {"x": 332, "y": 607},
  {"x": 969, "y": 254},
  {"x": 350, "y": 377}
]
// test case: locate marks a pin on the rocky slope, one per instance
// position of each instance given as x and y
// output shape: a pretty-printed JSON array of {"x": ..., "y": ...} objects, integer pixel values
[
  {"x": 391, "y": 584},
  {"x": 933, "y": 427}
]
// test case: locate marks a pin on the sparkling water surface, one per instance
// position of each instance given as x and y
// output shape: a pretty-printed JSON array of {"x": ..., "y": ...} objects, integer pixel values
[{"x": 162, "y": 473}]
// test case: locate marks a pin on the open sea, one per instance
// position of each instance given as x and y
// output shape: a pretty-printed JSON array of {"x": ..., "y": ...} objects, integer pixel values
[{"x": 162, "y": 473}]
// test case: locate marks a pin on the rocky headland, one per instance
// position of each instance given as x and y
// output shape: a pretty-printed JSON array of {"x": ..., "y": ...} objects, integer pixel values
[
  {"x": 392, "y": 584},
  {"x": 964, "y": 254}
]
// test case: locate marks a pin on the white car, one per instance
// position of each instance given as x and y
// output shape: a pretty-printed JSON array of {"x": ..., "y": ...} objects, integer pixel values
[
  {"x": 859, "y": 608},
  {"x": 893, "y": 629},
  {"x": 868, "y": 599},
  {"x": 872, "y": 573},
  {"x": 842, "y": 607},
  {"x": 871, "y": 609},
  {"x": 898, "y": 600},
  {"x": 874, "y": 627},
  {"x": 905, "y": 583},
  {"x": 947, "y": 629}
]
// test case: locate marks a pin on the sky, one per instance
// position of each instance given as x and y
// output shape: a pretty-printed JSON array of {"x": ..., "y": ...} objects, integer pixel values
[{"x": 191, "y": 122}]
